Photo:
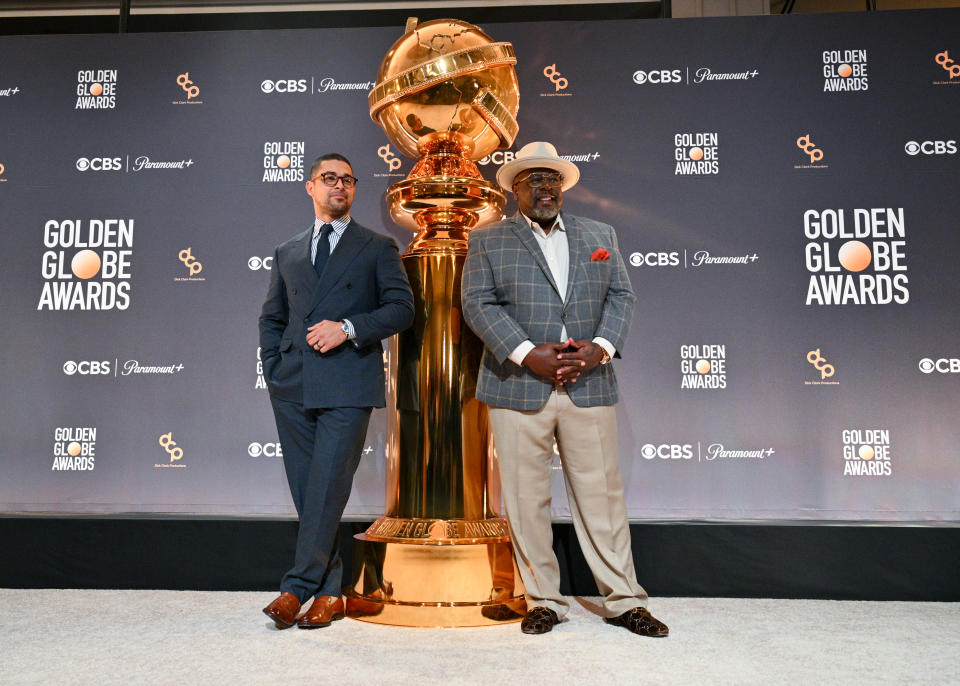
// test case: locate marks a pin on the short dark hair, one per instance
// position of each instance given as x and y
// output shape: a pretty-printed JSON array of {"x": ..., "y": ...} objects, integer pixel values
[{"x": 315, "y": 167}]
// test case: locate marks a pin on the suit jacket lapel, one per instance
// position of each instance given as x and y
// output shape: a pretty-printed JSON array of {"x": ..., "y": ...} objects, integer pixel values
[
  {"x": 349, "y": 245},
  {"x": 525, "y": 234},
  {"x": 576, "y": 249},
  {"x": 302, "y": 266}
]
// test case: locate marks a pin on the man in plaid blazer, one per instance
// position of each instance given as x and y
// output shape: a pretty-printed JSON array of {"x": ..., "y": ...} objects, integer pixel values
[{"x": 548, "y": 293}]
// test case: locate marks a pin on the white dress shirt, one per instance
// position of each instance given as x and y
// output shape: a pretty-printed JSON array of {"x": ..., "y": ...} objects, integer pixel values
[{"x": 556, "y": 250}]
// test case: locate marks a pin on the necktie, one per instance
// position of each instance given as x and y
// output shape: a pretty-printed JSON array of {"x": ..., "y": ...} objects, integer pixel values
[{"x": 323, "y": 249}]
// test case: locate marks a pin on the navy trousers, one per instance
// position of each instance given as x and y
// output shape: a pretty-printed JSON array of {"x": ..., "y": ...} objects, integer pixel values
[{"x": 321, "y": 451}]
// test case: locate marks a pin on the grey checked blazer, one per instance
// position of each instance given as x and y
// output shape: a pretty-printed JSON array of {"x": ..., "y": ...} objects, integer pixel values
[{"x": 509, "y": 296}]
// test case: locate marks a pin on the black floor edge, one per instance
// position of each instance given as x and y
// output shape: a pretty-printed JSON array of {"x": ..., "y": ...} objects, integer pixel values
[{"x": 712, "y": 560}]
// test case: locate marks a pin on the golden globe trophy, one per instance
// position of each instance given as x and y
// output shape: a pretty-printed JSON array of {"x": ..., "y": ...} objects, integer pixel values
[{"x": 447, "y": 95}]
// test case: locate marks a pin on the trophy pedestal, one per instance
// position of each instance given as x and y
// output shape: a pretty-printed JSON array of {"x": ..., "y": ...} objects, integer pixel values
[
  {"x": 441, "y": 554},
  {"x": 429, "y": 582}
]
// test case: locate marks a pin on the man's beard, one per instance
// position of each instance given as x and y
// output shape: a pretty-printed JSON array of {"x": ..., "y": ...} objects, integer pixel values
[
  {"x": 338, "y": 207},
  {"x": 541, "y": 213}
]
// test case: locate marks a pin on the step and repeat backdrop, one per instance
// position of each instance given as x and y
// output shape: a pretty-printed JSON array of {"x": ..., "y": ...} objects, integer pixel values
[{"x": 784, "y": 190}]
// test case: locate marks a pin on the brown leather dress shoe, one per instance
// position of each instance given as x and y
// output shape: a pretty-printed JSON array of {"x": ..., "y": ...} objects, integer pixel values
[
  {"x": 283, "y": 611},
  {"x": 539, "y": 620},
  {"x": 640, "y": 621},
  {"x": 369, "y": 605},
  {"x": 324, "y": 610}
]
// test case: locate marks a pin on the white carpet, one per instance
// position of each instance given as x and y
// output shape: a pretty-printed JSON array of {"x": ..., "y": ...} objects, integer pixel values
[{"x": 168, "y": 637}]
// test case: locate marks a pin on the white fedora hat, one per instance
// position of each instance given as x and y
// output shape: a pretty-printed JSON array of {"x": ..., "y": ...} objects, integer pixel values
[{"x": 538, "y": 154}]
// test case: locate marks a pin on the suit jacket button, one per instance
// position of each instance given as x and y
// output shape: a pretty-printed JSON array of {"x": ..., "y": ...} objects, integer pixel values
[
  {"x": 563, "y": 316},
  {"x": 306, "y": 320},
  {"x": 293, "y": 290}
]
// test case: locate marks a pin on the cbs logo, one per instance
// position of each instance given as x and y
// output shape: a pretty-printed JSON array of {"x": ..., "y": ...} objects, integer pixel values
[
  {"x": 943, "y": 365},
  {"x": 931, "y": 148},
  {"x": 86, "y": 367},
  {"x": 100, "y": 163},
  {"x": 256, "y": 263},
  {"x": 655, "y": 259},
  {"x": 667, "y": 451},
  {"x": 658, "y": 76},
  {"x": 284, "y": 86},
  {"x": 498, "y": 157},
  {"x": 264, "y": 449}
]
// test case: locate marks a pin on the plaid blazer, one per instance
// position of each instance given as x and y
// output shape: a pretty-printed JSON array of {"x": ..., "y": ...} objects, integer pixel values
[{"x": 509, "y": 296}]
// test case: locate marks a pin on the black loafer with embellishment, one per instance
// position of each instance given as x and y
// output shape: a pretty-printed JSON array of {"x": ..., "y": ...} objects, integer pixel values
[
  {"x": 539, "y": 620},
  {"x": 641, "y": 622}
]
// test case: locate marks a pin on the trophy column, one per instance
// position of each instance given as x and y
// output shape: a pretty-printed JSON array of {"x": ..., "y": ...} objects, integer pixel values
[{"x": 440, "y": 555}]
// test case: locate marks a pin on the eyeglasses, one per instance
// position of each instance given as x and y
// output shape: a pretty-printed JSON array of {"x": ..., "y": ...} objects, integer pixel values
[
  {"x": 331, "y": 179},
  {"x": 538, "y": 179}
]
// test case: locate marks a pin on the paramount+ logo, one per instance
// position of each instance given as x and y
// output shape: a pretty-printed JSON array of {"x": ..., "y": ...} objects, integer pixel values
[{"x": 705, "y": 452}]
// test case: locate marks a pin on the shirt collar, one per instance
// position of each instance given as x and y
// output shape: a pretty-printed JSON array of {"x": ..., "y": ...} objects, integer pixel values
[
  {"x": 557, "y": 223},
  {"x": 339, "y": 225}
]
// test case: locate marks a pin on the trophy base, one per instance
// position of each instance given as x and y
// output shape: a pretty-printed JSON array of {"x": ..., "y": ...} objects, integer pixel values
[{"x": 428, "y": 585}]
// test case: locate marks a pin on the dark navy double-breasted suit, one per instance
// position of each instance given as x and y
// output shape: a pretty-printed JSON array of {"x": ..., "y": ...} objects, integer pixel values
[{"x": 322, "y": 401}]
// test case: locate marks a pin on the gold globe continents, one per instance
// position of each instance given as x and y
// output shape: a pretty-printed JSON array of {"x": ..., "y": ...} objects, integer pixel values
[{"x": 447, "y": 80}]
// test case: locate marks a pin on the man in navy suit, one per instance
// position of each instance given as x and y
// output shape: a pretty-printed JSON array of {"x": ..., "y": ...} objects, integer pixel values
[{"x": 335, "y": 291}]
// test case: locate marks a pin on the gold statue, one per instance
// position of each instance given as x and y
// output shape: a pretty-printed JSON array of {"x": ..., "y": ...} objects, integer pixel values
[{"x": 446, "y": 94}]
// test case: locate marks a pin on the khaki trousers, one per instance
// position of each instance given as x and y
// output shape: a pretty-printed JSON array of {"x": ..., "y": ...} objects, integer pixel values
[{"x": 587, "y": 439}]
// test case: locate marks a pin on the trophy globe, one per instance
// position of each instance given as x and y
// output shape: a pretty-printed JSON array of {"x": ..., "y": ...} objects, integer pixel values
[{"x": 446, "y": 94}]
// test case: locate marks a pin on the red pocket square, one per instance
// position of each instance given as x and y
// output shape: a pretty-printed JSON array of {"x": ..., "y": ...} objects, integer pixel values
[{"x": 599, "y": 255}]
